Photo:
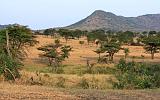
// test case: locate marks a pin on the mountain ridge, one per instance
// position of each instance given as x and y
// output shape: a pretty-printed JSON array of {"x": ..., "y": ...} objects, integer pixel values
[{"x": 109, "y": 21}]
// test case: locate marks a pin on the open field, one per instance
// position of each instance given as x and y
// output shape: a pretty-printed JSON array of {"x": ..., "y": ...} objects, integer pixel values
[
  {"x": 80, "y": 53},
  {"x": 45, "y": 84},
  {"x": 22, "y": 92},
  {"x": 75, "y": 65}
]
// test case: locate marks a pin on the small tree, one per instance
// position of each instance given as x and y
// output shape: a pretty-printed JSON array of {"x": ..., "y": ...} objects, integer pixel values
[
  {"x": 81, "y": 42},
  {"x": 56, "y": 53},
  {"x": 152, "y": 45},
  {"x": 65, "y": 33},
  {"x": 111, "y": 48},
  {"x": 57, "y": 41},
  {"x": 126, "y": 37},
  {"x": 126, "y": 52}
]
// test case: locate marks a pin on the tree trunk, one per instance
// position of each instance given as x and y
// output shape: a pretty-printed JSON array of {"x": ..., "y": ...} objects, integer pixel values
[
  {"x": 50, "y": 61},
  {"x": 7, "y": 45},
  {"x": 125, "y": 56},
  {"x": 111, "y": 57},
  {"x": 99, "y": 55},
  {"x": 152, "y": 55}
]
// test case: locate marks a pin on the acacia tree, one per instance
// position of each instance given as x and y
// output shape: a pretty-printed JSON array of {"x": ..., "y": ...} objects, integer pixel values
[
  {"x": 77, "y": 33},
  {"x": 111, "y": 48},
  {"x": 96, "y": 35},
  {"x": 81, "y": 42},
  {"x": 65, "y": 33},
  {"x": 152, "y": 45},
  {"x": 49, "y": 32},
  {"x": 13, "y": 41},
  {"x": 56, "y": 53},
  {"x": 126, "y": 37}
]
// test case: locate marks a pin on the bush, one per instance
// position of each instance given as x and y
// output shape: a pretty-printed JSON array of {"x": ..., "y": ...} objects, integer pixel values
[
  {"x": 133, "y": 75},
  {"x": 57, "y": 41},
  {"x": 81, "y": 42}
]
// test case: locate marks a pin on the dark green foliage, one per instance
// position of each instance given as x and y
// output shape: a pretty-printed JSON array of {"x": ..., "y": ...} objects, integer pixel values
[
  {"x": 65, "y": 33},
  {"x": 152, "y": 33},
  {"x": 49, "y": 31},
  {"x": 96, "y": 34},
  {"x": 56, "y": 53},
  {"x": 13, "y": 41},
  {"x": 152, "y": 45},
  {"x": 81, "y": 42},
  {"x": 70, "y": 34},
  {"x": 133, "y": 75},
  {"x": 126, "y": 37},
  {"x": 111, "y": 48},
  {"x": 9, "y": 67},
  {"x": 57, "y": 41}
]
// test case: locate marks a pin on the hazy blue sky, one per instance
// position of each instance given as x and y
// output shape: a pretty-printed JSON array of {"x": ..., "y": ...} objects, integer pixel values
[{"x": 39, "y": 14}]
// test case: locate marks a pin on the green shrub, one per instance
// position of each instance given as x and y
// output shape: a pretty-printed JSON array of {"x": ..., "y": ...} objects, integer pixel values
[
  {"x": 81, "y": 42},
  {"x": 133, "y": 75},
  {"x": 57, "y": 41}
]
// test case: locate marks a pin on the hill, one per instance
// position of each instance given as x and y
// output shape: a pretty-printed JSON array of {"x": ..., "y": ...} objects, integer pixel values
[
  {"x": 3, "y": 26},
  {"x": 109, "y": 21}
]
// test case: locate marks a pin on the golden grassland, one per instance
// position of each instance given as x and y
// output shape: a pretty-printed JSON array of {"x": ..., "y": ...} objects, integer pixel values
[
  {"x": 76, "y": 63},
  {"x": 80, "y": 53},
  {"x": 45, "y": 82},
  {"x": 21, "y": 92}
]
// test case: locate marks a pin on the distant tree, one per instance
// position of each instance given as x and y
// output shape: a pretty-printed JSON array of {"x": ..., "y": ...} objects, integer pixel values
[
  {"x": 49, "y": 32},
  {"x": 145, "y": 33},
  {"x": 111, "y": 48},
  {"x": 126, "y": 51},
  {"x": 152, "y": 45},
  {"x": 78, "y": 33},
  {"x": 65, "y": 33},
  {"x": 152, "y": 33},
  {"x": 90, "y": 38},
  {"x": 126, "y": 37},
  {"x": 81, "y": 42}
]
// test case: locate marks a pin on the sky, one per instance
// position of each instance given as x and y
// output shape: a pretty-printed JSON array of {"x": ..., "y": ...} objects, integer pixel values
[{"x": 41, "y": 14}]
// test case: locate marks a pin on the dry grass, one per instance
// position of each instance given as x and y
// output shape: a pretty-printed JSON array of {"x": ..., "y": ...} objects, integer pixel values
[
  {"x": 80, "y": 53},
  {"x": 71, "y": 81},
  {"x": 78, "y": 58},
  {"x": 23, "y": 92}
]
